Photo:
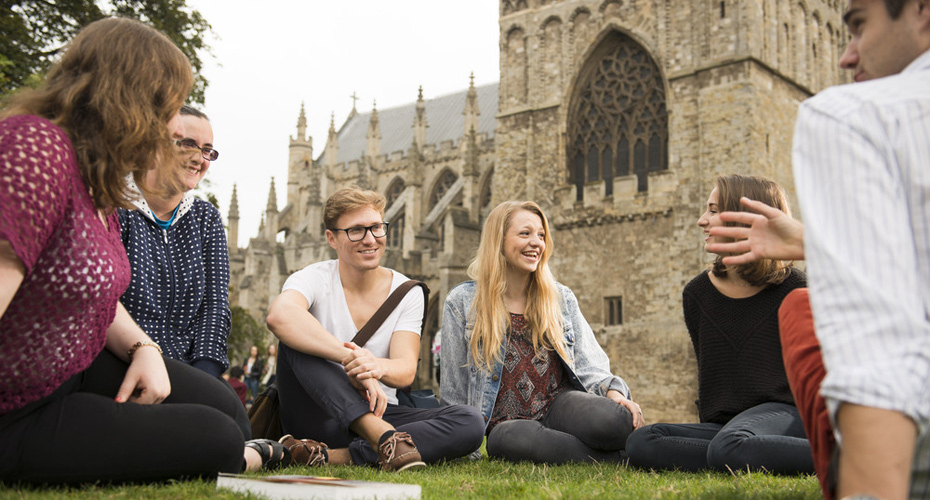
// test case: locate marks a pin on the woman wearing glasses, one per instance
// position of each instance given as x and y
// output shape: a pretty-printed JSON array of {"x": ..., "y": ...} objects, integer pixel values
[
  {"x": 516, "y": 347},
  {"x": 176, "y": 245}
]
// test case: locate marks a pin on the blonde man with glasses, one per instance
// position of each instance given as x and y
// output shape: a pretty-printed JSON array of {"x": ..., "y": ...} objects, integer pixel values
[{"x": 336, "y": 392}]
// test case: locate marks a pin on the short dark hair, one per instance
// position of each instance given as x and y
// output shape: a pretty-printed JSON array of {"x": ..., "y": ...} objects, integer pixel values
[
  {"x": 236, "y": 372},
  {"x": 192, "y": 111}
]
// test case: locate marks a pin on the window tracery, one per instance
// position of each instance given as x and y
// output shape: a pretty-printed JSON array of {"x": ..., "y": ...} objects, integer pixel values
[{"x": 618, "y": 121}]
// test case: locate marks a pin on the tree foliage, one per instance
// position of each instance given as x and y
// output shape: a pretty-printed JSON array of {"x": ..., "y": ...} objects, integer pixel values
[
  {"x": 245, "y": 333},
  {"x": 33, "y": 32}
]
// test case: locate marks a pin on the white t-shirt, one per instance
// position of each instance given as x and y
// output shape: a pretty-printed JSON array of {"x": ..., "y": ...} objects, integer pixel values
[{"x": 320, "y": 284}]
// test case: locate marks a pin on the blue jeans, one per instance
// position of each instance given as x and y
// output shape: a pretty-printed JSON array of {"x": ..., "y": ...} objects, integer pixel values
[
  {"x": 252, "y": 384},
  {"x": 579, "y": 427},
  {"x": 769, "y": 436}
]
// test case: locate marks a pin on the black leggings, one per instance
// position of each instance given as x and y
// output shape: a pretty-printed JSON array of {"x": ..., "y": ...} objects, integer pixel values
[
  {"x": 579, "y": 427},
  {"x": 79, "y": 434}
]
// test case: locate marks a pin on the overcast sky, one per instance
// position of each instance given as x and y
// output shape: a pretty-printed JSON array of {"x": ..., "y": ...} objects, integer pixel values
[{"x": 275, "y": 54}]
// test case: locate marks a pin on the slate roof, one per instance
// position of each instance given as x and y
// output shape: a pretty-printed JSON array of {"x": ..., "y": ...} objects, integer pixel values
[{"x": 444, "y": 120}]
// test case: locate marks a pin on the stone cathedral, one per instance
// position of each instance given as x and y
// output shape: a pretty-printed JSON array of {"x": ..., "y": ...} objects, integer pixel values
[{"x": 614, "y": 116}]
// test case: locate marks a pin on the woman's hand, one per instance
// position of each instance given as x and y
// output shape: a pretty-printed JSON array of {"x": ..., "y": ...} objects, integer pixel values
[
  {"x": 361, "y": 364},
  {"x": 146, "y": 380},
  {"x": 634, "y": 408}
]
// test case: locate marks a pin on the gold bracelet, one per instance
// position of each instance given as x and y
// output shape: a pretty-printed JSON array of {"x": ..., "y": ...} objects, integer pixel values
[{"x": 142, "y": 343}]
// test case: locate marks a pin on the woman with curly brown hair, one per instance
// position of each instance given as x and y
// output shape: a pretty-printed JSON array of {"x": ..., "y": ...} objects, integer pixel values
[
  {"x": 85, "y": 395},
  {"x": 747, "y": 412}
]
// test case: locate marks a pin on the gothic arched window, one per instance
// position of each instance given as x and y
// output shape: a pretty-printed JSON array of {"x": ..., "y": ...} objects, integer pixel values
[
  {"x": 394, "y": 191},
  {"x": 617, "y": 121},
  {"x": 396, "y": 227},
  {"x": 442, "y": 186}
]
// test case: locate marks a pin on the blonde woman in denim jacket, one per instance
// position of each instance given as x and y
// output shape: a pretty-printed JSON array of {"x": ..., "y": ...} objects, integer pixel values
[{"x": 516, "y": 346}]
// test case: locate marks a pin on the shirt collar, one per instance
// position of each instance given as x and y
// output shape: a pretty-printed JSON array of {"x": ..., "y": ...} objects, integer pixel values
[{"x": 921, "y": 63}]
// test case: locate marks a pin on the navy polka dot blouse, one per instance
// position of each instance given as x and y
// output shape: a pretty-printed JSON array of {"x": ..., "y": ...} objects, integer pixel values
[{"x": 179, "y": 292}]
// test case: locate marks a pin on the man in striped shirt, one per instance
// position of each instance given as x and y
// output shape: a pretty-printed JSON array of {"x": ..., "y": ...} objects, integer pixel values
[{"x": 862, "y": 168}]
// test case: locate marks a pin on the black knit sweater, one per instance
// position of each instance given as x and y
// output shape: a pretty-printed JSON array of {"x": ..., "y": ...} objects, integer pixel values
[{"x": 737, "y": 347}]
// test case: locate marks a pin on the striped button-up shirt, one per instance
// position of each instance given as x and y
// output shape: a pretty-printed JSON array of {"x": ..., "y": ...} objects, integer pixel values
[{"x": 862, "y": 167}]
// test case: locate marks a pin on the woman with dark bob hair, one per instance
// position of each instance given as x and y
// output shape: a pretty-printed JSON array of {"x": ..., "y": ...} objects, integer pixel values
[
  {"x": 85, "y": 395},
  {"x": 748, "y": 416}
]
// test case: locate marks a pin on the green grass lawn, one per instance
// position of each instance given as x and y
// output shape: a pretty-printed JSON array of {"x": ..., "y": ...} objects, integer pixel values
[{"x": 492, "y": 479}]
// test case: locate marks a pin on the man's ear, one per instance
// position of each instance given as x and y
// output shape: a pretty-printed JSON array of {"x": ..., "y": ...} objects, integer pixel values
[
  {"x": 923, "y": 14},
  {"x": 331, "y": 238}
]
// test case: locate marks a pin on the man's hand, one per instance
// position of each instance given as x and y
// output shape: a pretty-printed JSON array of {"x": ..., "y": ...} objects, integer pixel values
[
  {"x": 371, "y": 390},
  {"x": 634, "y": 408},
  {"x": 361, "y": 364},
  {"x": 771, "y": 234},
  {"x": 146, "y": 380}
]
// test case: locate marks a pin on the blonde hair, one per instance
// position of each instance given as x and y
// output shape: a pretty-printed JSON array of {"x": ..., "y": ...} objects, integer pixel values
[
  {"x": 730, "y": 189},
  {"x": 488, "y": 269},
  {"x": 348, "y": 199},
  {"x": 113, "y": 91}
]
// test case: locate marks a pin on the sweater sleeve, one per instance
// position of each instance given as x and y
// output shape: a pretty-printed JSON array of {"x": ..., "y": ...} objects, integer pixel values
[
  {"x": 212, "y": 323},
  {"x": 34, "y": 171}
]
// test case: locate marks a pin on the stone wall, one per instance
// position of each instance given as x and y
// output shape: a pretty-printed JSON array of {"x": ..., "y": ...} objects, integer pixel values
[{"x": 732, "y": 94}]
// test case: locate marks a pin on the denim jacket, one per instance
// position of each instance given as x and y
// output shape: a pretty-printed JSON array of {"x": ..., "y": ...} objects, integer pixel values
[{"x": 461, "y": 382}]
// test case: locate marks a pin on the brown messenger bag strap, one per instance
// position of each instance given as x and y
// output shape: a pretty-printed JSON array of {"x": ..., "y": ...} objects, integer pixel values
[{"x": 387, "y": 308}]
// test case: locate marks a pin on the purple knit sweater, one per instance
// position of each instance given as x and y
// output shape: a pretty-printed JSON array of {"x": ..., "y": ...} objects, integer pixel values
[{"x": 76, "y": 269}]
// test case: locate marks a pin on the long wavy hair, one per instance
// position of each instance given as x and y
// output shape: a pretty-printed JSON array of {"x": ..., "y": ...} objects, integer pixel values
[
  {"x": 489, "y": 270},
  {"x": 729, "y": 190},
  {"x": 114, "y": 90}
]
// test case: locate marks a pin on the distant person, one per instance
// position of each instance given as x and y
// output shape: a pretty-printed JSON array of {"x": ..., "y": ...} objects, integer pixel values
[
  {"x": 748, "y": 418},
  {"x": 234, "y": 378},
  {"x": 252, "y": 366},
  {"x": 516, "y": 347},
  {"x": 176, "y": 243},
  {"x": 336, "y": 392},
  {"x": 85, "y": 395},
  {"x": 271, "y": 365}
]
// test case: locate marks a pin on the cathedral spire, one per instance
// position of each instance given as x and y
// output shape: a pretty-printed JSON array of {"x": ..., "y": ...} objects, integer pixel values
[
  {"x": 272, "y": 199},
  {"x": 271, "y": 214},
  {"x": 233, "y": 218},
  {"x": 471, "y": 108},
  {"x": 234, "y": 204},
  {"x": 331, "y": 153},
  {"x": 354, "y": 111},
  {"x": 302, "y": 124},
  {"x": 374, "y": 134},
  {"x": 419, "y": 122}
]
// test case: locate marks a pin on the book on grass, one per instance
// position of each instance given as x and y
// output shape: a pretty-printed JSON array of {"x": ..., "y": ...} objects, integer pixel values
[{"x": 304, "y": 487}]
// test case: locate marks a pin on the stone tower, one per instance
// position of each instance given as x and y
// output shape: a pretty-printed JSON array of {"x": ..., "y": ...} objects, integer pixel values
[{"x": 615, "y": 116}]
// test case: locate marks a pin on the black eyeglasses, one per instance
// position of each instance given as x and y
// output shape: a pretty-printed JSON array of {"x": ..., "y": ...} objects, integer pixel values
[
  {"x": 207, "y": 153},
  {"x": 357, "y": 233}
]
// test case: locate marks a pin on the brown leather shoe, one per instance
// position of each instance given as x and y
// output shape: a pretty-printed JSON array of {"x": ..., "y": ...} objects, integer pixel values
[
  {"x": 305, "y": 451},
  {"x": 398, "y": 453}
]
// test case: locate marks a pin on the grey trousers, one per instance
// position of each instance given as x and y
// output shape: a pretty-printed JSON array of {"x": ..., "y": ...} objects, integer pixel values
[{"x": 579, "y": 427}]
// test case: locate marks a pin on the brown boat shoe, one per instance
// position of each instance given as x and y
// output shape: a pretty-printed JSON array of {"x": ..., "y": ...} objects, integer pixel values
[
  {"x": 398, "y": 453},
  {"x": 306, "y": 451}
]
